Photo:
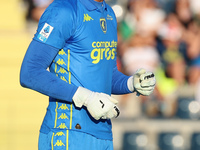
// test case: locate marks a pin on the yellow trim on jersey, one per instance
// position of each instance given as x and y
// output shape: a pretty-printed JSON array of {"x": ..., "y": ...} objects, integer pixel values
[
  {"x": 71, "y": 107},
  {"x": 67, "y": 138},
  {"x": 69, "y": 66},
  {"x": 52, "y": 146},
  {"x": 56, "y": 116},
  {"x": 55, "y": 67}
]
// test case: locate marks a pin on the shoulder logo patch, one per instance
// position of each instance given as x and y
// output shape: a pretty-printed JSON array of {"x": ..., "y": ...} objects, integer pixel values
[
  {"x": 87, "y": 18},
  {"x": 45, "y": 32}
]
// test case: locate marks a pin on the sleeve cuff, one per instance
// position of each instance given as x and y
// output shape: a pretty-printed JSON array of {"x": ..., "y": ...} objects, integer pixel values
[{"x": 130, "y": 84}]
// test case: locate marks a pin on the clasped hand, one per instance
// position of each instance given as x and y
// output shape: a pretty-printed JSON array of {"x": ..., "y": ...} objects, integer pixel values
[{"x": 143, "y": 82}]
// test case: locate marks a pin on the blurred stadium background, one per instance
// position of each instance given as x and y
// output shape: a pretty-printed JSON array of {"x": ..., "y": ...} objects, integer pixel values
[{"x": 160, "y": 35}]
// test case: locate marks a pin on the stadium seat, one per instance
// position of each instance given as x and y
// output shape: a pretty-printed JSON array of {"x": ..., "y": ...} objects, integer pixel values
[
  {"x": 188, "y": 108},
  {"x": 170, "y": 141},
  {"x": 135, "y": 141},
  {"x": 195, "y": 141}
]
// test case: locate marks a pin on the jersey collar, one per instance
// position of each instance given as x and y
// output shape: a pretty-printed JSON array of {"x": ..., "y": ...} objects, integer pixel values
[{"x": 91, "y": 6}]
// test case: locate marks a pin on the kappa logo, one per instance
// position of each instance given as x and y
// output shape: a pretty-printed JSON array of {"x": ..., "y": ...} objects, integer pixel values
[
  {"x": 62, "y": 52},
  {"x": 103, "y": 24},
  {"x": 62, "y": 70},
  {"x": 61, "y": 62},
  {"x": 60, "y": 134},
  {"x": 63, "y": 116},
  {"x": 62, "y": 126},
  {"x": 59, "y": 143},
  {"x": 87, "y": 18},
  {"x": 63, "y": 78},
  {"x": 63, "y": 107}
]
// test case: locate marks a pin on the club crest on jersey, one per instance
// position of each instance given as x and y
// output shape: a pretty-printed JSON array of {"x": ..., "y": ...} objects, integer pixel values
[
  {"x": 45, "y": 32},
  {"x": 103, "y": 24}
]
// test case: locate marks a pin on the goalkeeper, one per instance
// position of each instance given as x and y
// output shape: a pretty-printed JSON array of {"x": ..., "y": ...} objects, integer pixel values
[{"x": 77, "y": 41}]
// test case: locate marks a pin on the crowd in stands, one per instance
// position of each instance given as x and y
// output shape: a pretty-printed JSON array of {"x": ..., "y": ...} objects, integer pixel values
[{"x": 164, "y": 38}]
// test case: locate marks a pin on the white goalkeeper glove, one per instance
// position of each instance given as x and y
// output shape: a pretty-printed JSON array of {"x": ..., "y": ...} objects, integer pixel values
[
  {"x": 99, "y": 105},
  {"x": 142, "y": 82}
]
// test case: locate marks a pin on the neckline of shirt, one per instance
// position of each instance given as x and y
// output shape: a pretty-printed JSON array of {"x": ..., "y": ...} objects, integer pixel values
[{"x": 94, "y": 5}]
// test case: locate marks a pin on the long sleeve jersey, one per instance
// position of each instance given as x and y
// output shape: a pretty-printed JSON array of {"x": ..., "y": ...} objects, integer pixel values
[{"x": 78, "y": 42}]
